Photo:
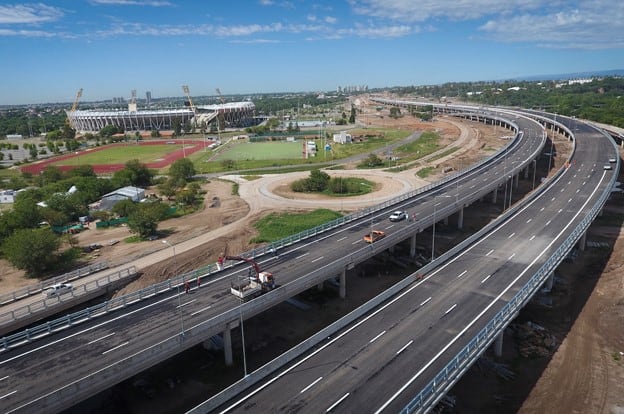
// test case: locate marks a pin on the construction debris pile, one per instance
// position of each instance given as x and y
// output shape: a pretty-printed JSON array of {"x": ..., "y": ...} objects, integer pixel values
[{"x": 534, "y": 340}]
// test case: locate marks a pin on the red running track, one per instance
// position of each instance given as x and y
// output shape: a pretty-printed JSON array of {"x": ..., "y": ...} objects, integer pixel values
[{"x": 193, "y": 146}]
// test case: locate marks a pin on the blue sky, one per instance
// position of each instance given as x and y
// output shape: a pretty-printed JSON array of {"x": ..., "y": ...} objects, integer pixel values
[{"x": 50, "y": 49}]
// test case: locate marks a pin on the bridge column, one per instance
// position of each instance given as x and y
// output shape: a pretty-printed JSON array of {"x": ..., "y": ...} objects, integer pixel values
[
  {"x": 343, "y": 283},
  {"x": 412, "y": 252},
  {"x": 446, "y": 221},
  {"x": 319, "y": 287},
  {"x": 516, "y": 180},
  {"x": 548, "y": 285},
  {"x": 583, "y": 241},
  {"x": 498, "y": 345},
  {"x": 460, "y": 218},
  {"x": 227, "y": 346},
  {"x": 494, "y": 194}
]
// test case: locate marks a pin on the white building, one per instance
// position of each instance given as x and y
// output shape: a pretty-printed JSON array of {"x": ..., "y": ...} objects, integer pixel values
[{"x": 342, "y": 138}]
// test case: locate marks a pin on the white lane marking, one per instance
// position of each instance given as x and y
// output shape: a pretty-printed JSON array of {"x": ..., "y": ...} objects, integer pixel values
[
  {"x": 304, "y": 255},
  {"x": 100, "y": 338},
  {"x": 511, "y": 257},
  {"x": 542, "y": 209},
  {"x": 487, "y": 308},
  {"x": 562, "y": 190},
  {"x": 3, "y": 378},
  {"x": 529, "y": 220},
  {"x": 578, "y": 190},
  {"x": 186, "y": 303},
  {"x": 486, "y": 278},
  {"x": 462, "y": 273},
  {"x": 334, "y": 405},
  {"x": 389, "y": 227},
  {"x": 438, "y": 204},
  {"x": 472, "y": 187},
  {"x": 376, "y": 338},
  {"x": 560, "y": 210},
  {"x": 115, "y": 348},
  {"x": 311, "y": 385},
  {"x": 490, "y": 252},
  {"x": 317, "y": 259},
  {"x": 201, "y": 310},
  {"x": 341, "y": 239},
  {"x": 553, "y": 199},
  {"x": 532, "y": 237},
  {"x": 357, "y": 241},
  {"x": 7, "y": 395},
  {"x": 450, "y": 309},
  {"x": 425, "y": 302},
  {"x": 511, "y": 235},
  {"x": 547, "y": 223},
  {"x": 404, "y": 347}
]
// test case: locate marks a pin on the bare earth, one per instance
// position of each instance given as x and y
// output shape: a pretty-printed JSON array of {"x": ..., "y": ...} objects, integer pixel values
[{"x": 585, "y": 374}]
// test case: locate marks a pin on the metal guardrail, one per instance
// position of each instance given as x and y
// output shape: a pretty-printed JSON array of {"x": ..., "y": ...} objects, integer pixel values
[
  {"x": 442, "y": 382},
  {"x": 21, "y": 338},
  {"x": 23, "y": 312},
  {"x": 10, "y": 297}
]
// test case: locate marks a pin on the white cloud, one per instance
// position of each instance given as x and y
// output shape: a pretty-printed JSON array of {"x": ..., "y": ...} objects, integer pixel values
[
  {"x": 266, "y": 2},
  {"x": 30, "y": 14},
  {"x": 311, "y": 18},
  {"x": 418, "y": 11},
  {"x": 152, "y": 3},
  {"x": 597, "y": 24},
  {"x": 330, "y": 19},
  {"x": 26, "y": 33},
  {"x": 255, "y": 41}
]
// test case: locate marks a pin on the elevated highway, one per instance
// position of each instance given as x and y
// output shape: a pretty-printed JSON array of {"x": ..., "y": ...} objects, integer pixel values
[
  {"x": 63, "y": 368},
  {"x": 405, "y": 353}
]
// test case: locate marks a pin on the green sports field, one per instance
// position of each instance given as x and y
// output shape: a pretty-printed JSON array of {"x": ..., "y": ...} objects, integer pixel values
[
  {"x": 120, "y": 155},
  {"x": 261, "y": 151}
]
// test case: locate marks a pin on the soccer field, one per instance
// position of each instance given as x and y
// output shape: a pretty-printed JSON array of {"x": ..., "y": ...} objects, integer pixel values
[
  {"x": 121, "y": 154},
  {"x": 261, "y": 151}
]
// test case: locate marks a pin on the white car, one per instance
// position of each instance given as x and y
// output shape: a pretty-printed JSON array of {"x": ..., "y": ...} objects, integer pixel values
[
  {"x": 58, "y": 290},
  {"x": 398, "y": 216},
  {"x": 612, "y": 160}
]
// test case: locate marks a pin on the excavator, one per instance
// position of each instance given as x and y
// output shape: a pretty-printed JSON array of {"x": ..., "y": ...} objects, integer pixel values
[{"x": 257, "y": 283}]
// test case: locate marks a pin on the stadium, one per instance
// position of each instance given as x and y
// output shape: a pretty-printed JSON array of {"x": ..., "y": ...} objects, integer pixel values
[{"x": 232, "y": 114}]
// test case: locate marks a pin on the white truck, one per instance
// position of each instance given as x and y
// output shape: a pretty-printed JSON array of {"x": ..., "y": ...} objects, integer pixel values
[{"x": 255, "y": 285}]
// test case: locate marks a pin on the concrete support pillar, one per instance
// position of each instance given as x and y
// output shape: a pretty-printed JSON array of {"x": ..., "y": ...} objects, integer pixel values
[
  {"x": 494, "y": 194},
  {"x": 583, "y": 241},
  {"x": 227, "y": 346},
  {"x": 343, "y": 284},
  {"x": 319, "y": 287},
  {"x": 445, "y": 221},
  {"x": 526, "y": 172},
  {"x": 460, "y": 218},
  {"x": 412, "y": 252},
  {"x": 516, "y": 180},
  {"x": 549, "y": 282},
  {"x": 391, "y": 249},
  {"x": 498, "y": 345}
]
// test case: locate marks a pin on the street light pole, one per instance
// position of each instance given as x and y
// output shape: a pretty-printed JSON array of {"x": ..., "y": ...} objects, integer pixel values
[
  {"x": 434, "y": 223},
  {"x": 175, "y": 272},
  {"x": 371, "y": 213},
  {"x": 240, "y": 314}
]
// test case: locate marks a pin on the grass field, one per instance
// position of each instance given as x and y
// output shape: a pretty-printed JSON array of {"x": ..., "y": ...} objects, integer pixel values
[
  {"x": 120, "y": 155},
  {"x": 261, "y": 151}
]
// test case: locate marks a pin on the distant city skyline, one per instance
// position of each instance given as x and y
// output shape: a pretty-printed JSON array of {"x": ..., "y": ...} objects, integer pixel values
[{"x": 50, "y": 49}]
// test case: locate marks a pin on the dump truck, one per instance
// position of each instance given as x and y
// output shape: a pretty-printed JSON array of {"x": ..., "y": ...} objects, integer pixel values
[{"x": 258, "y": 282}]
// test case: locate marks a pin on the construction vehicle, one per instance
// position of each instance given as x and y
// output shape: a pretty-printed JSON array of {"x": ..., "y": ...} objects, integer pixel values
[{"x": 257, "y": 283}]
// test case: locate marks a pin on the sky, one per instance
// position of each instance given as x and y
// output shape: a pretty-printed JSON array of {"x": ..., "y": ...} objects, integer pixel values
[{"x": 51, "y": 49}]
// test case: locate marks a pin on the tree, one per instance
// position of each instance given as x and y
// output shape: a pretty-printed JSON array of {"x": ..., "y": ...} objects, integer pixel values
[
  {"x": 352, "y": 116},
  {"x": 134, "y": 173},
  {"x": 144, "y": 221},
  {"x": 31, "y": 249},
  {"x": 182, "y": 169},
  {"x": 124, "y": 208}
]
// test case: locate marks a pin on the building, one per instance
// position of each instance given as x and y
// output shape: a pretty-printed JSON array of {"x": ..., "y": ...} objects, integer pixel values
[
  {"x": 125, "y": 193},
  {"x": 7, "y": 196},
  {"x": 342, "y": 138}
]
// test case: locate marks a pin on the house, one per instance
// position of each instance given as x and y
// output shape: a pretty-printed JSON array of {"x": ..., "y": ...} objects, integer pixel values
[{"x": 7, "y": 196}]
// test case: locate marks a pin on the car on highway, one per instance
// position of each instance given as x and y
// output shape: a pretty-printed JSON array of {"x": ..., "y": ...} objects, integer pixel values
[
  {"x": 398, "y": 216},
  {"x": 58, "y": 290},
  {"x": 612, "y": 160},
  {"x": 373, "y": 236}
]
